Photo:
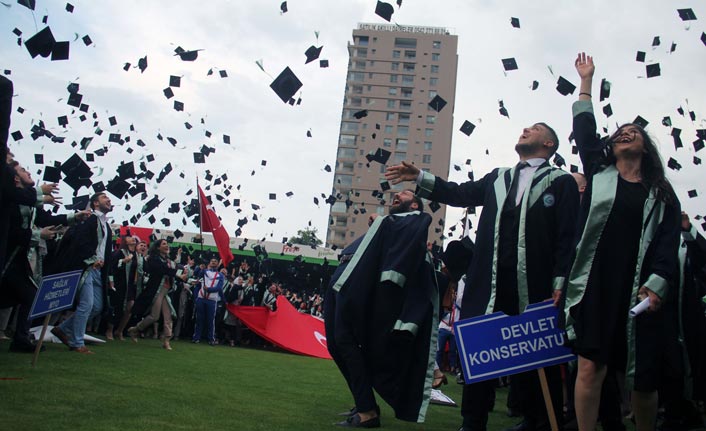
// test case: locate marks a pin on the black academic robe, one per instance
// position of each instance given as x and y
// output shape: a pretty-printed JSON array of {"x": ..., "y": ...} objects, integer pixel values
[
  {"x": 158, "y": 270},
  {"x": 546, "y": 225},
  {"x": 389, "y": 292},
  {"x": 123, "y": 276}
]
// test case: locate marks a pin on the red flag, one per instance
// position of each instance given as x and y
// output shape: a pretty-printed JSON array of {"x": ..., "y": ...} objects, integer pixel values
[{"x": 211, "y": 223}]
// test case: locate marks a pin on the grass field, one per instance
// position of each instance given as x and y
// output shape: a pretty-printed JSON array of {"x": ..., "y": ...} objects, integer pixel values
[{"x": 127, "y": 386}]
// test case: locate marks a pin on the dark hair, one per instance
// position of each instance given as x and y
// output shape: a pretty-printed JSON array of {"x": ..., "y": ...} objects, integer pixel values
[
  {"x": 95, "y": 198},
  {"x": 552, "y": 136},
  {"x": 123, "y": 242},
  {"x": 13, "y": 164},
  {"x": 418, "y": 200},
  {"x": 153, "y": 251},
  {"x": 651, "y": 167}
]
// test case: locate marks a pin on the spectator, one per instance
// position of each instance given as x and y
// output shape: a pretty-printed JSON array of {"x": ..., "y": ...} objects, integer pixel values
[
  {"x": 207, "y": 294},
  {"x": 123, "y": 271}
]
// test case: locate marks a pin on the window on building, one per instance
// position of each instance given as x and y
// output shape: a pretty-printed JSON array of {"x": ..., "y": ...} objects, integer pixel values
[
  {"x": 432, "y": 94},
  {"x": 427, "y": 145},
  {"x": 392, "y": 91},
  {"x": 406, "y": 105},
  {"x": 404, "y": 119},
  {"x": 428, "y": 133},
  {"x": 388, "y": 129},
  {"x": 346, "y": 153},
  {"x": 361, "y": 40},
  {"x": 343, "y": 180},
  {"x": 356, "y": 76},
  {"x": 355, "y": 101},
  {"x": 396, "y": 54},
  {"x": 401, "y": 145},
  {"x": 362, "y": 138},
  {"x": 362, "y": 52},
  {"x": 407, "y": 92},
  {"x": 347, "y": 140},
  {"x": 370, "y": 75},
  {"x": 349, "y": 126},
  {"x": 410, "y": 55},
  {"x": 380, "y": 210},
  {"x": 341, "y": 221},
  {"x": 433, "y": 81},
  {"x": 402, "y": 130},
  {"x": 394, "y": 66},
  {"x": 346, "y": 167},
  {"x": 390, "y": 116},
  {"x": 393, "y": 78},
  {"x": 436, "y": 44},
  {"x": 408, "y": 79},
  {"x": 435, "y": 56},
  {"x": 339, "y": 207},
  {"x": 426, "y": 158},
  {"x": 434, "y": 68},
  {"x": 387, "y": 142},
  {"x": 399, "y": 156},
  {"x": 391, "y": 104},
  {"x": 359, "y": 65},
  {"x": 405, "y": 42},
  {"x": 408, "y": 67},
  {"x": 431, "y": 119},
  {"x": 372, "y": 62}
]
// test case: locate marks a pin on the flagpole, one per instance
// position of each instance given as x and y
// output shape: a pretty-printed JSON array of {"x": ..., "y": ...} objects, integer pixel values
[{"x": 198, "y": 190}]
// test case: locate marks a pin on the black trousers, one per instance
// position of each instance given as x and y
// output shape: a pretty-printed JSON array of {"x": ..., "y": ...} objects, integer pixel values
[
  {"x": 330, "y": 326},
  {"x": 348, "y": 348},
  {"x": 18, "y": 289}
]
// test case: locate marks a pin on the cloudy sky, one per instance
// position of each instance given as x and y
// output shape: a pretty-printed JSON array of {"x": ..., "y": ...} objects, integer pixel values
[{"x": 236, "y": 34}]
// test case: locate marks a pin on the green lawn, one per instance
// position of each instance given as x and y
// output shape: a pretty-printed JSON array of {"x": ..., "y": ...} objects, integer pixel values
[{"x": 127, "y": 386}]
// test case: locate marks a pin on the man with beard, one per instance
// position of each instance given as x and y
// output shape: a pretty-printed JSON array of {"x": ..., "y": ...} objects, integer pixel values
[
  {"x": 386, "y": 307},
  {"x": 28, "y": 225},
  {"x": 522, "y": 255}
]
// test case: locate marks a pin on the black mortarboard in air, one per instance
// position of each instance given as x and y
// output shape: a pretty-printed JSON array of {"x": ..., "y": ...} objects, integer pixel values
[
  {"x": 503, "y": 110},
  {"x": 29, "y": 4},
  {"x": 63, "y": 120},
  {"x": 384, "y": 10},
  {"x": 168, "y": 93},
  {"x": 286, "y": 84},
  {"x": 360, "y": 114},
  {"x": 52, "y": 174},
  {"x": 98, "y": 187},
  {"x": 178, "y": 106},
  {"x": 323, "y": 63},
  {"x": 692, "y": 193},
  {"x": 126, "y": 170},
  {"x": 118, "y": 187},
  {"x": 535, "y": 85},
  {"x": 605, "y": 89},
  {"x": 41, "y": 43},
  {"x": 75, "y": 168},
  {"x": 174, "y": 81},
  {"x": 283, "y": 7},
  {"x": 564, "y": 87},
  {"x": 226, "y": 139},
  {"x": 515, "y": 22},
  {"x": 384, "y": 185},
  {"x": 273, "y": 196},
  {"x": 312, "y": 53},
  {"x": 608, "y": 110},
  {"x": 653, "y": 70},
  {"x": 87, "y": 40},
  {"x": 666, "y": 121},
  {"x": 223, "y": 73},
  {"x": 640, "y": 121},
  {"x": 79, "y": 203},
  {"x": 151, "y": 204},
  {"x": 16, "y": 135},
  {"x": 112, "y": 121},
  {"x": 703, "y": 37},
  {"x": 380, "y": 155},
  {"x": 676, "y": 135},
  {"x": 289, "y": 194},
  {"x": 187, "y": 55},
  {"x": 467, "y": 128},
  {"x": 74, "y": 100},
  {"x": 437, "y": 103},
  {"x": 142, "y": 64},
  {"x": 698, "y": 145},
  {"x": 509, "y": 64},
  {"x": 656, "y": 41},
  {"x": 39, "y": 159},
  {"x": 434, "y": 206},
  {"x": 686, "y": 14},
  {"x": 640, "y": 56},
  {"x": 673, "y": 164},
  {"x": 60, "y": 51},
  {"x": 69, "y": 8}
]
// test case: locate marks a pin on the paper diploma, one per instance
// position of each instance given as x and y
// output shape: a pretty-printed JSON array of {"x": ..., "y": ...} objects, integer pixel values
[{"x": 640, "y": 308}]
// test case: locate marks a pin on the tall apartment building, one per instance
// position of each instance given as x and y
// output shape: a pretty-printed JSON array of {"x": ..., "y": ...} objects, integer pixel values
[{"x": 393, "y": 73}]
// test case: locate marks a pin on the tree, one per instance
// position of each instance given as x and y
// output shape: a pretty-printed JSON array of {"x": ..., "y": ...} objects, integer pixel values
[{"x": 306, "y": 236}]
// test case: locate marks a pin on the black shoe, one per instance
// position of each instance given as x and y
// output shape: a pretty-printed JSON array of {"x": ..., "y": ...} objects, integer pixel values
[
  {"x": 522, "y": 426},
  {"x": 24, "y": 347},
  {"x": 355, "y": 422},
  {"x": 349, "y": 413}
]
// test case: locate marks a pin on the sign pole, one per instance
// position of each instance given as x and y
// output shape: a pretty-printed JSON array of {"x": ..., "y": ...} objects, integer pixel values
[
  {"x": 41, "y": 339},
  {"x": 547, "y": 399}
]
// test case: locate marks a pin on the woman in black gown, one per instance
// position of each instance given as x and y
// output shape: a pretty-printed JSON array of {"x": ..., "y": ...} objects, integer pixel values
[{"x": 626, "y": 251}]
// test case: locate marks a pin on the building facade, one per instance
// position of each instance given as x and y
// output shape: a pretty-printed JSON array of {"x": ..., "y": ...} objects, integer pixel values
[{"x": 393, "y": 73}]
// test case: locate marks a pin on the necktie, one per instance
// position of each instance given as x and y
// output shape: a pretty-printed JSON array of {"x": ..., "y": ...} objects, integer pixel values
[{"x": 512, "y": 193}]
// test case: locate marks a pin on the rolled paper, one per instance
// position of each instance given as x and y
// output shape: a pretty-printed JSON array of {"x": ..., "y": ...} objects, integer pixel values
[{"x": 640, "y": 308}]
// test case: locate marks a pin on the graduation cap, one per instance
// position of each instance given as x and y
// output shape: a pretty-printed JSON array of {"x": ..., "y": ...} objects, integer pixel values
[
  {"x": 168, "y": 93},
  {"x": 360, "y": 114},
  {"x": 384, "y": 185},
  {"x": 69, "y": 8},
  {"x": 52, "y": 174},
  {"x": 327, "y": 168},
  {"x": 653, "y": 70},
  {"x": 673, "y": 164},
  {"x": 187, "y": 55},
  {"x": 515, "y": 22},
  {"x": 226, "y": 139},
  {"x": 79, "y": 203},
  {"x": 178, "y": 106},
  {"x": 564, "y": 87},
  {"x": 467, "y": 128},
  {"x": 273, "y": 196},
  {"x": 312, "y": 53},
  {"x": 384, "y": 10},
  {"x": 380, "y": 155},
  {"x": 676, "y": 135},
  {"x": 667, "y": 122},
  {"x": 656, "y": 41},
  {"x": 174, "y": 81},
  {"x": 151, "y": 205},
  {"x": 29, "y": 4},
  {"x": 60, "y": 51},
  {"x": 640, "y": 121},
  {"x": 323, "y": 63},
  {"x": 223, "y": 73},
  {"x": 76, "y": 172},
  {"x": 437, "y": 103},
  {"x": 434, "y": 206},
  {"x": 703, "y": 37},
  {"x": 605, "y": 89},
  {"x": 640, "y": 56},
  {"x": 608, "y": 110},
  {"x": 509, "y": 64},
  {"x": 87, "y": 40},
  {"x": 118, "y": 187},
  {"x": 692, "y": 193},
  {"x": 503, "y": 110},
  {"x": 142, "y": 64},
  {"x": 686, "y": 14},
  {"x": 41, "y": 43},
  {"x": 535, "y": 85},
  {"x": 698, "y": 145},
  {"x": 126, "y": 170},
  {"x": 286, "y": 84},
  {"x": 283, "y": 7},
  {"x": 39, "y": 159}
]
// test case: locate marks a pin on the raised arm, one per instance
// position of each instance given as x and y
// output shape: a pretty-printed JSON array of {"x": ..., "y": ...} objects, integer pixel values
[{"x": 584, "y": 126}]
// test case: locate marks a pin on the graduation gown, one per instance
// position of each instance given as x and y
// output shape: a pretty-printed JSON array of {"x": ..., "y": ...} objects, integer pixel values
[
  {"x": 658, "y": 244},
  {"x": 389, "y": 292},
  {"x": 545, "y": 228},
  {"x": 158, "y": 271}
]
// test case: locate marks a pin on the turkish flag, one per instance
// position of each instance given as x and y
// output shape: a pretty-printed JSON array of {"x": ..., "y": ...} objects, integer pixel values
[{"x": 211, "y": 223}]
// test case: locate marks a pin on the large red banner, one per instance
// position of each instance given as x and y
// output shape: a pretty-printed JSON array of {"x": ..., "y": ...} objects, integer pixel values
[
  {"x": 286, "y": 328},
  {"x": 211, "y": 223}
]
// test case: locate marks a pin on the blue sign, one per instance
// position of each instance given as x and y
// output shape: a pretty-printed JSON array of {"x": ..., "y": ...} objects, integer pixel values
[
  {"x": 497, "y": 345},
  {"x": 55, "y": 294}
]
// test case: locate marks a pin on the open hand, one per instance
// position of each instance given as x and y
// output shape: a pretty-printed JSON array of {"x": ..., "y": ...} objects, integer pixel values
[
  {"x": 49, "y": 188},
  {"x": 402, "y": 172},
  {"x": 584, "y": 65}
]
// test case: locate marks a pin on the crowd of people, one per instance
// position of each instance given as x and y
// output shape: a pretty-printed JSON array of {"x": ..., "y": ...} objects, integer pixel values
[{"x": 597, "y": 243}]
